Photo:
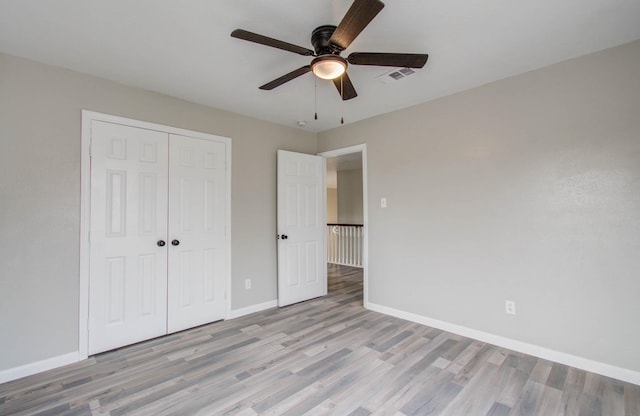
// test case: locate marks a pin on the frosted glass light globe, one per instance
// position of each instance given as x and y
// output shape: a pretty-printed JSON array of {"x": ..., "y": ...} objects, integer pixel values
[{"x": 328, "y": 66}]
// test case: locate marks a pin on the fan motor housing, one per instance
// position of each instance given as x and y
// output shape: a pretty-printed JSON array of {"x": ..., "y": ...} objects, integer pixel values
[{"x": 320, "y": 40}]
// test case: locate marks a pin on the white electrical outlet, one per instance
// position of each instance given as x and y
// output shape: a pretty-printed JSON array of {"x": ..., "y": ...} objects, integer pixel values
[
  {"x": 247, "y": 284},
  {"x": 383, "y": 202},
  {"x": 510, "y": 307}
]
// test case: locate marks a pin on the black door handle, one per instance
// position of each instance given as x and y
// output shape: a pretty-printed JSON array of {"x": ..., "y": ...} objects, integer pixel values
[
  {"x": 161, "y": 243},
  {"x": 284, "y": 236},
  {"x": 175, "y": 242}
]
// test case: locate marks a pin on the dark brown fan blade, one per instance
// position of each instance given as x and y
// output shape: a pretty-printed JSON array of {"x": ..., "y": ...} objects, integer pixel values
[
  {"x": 286, "y": 78},
  {"x": 345, "y": 87},
  {"x": 274, "y": 43},
  {"x": 401, "y": 60},
  {"x": 359, "y": 15}
]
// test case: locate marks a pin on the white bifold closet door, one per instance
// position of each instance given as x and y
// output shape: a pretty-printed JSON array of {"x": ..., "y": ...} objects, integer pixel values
[
  {"x": 128, "y": 270},
  {"x": 197, "y": 204},
  {"x": 157, "y": 242}
]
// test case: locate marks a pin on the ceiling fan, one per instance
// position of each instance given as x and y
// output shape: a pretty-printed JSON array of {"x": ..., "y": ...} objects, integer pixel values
[{"x": 329, "y": 41}]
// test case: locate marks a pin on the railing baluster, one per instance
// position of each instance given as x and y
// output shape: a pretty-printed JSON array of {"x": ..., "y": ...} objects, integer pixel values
[
  {"x": 349, "y": 248},
  {"x": 341, "y": 244},
  {"x": 352, "y": 248},
  {"x": 345, "y": 244}
]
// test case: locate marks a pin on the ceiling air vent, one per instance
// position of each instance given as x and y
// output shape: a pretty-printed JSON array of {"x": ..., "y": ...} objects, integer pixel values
[{"x": 395, "y": 75}]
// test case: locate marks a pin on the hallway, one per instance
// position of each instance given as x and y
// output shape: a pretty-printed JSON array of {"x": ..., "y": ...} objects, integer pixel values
[{"x": 345, "y": 282}]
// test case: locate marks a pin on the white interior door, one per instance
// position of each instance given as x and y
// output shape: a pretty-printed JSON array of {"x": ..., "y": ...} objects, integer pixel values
[
  {"x": 302, "y": 271},
  {"x": 197, "y": 232},
  {"x": 128, "y": 265}
]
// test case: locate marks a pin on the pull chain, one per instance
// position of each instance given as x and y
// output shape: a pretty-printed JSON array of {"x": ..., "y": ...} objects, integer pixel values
[
  {"x": 342, "y": 98},
  {"x": 315, "y": 96}
]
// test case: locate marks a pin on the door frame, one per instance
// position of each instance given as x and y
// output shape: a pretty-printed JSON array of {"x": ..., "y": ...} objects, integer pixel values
[
  {"x": 85, "y": 209},
  {"x": 362, "y": 149}
]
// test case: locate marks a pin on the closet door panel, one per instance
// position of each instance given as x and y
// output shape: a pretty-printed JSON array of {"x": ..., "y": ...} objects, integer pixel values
[
  {"x": 128, "y": 269},
  {"x": 198, "y": 250}
]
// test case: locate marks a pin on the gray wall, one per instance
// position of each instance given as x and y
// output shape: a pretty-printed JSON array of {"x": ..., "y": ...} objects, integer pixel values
[
  {"x": 332, "y": 205},
  {"x": 350, "y": 196},
  {"x": 40, "y": 112},
  {"x": 526, "y": 189}
]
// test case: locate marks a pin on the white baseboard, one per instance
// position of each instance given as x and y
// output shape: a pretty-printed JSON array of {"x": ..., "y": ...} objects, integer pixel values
[
  {"x": 25, "y": 370},
  {"x": 236, "y": 313},
  {"x": 346, "y": 264},
  {"x": 597, "y": 367},
  {"x": 38, "y": 367}
]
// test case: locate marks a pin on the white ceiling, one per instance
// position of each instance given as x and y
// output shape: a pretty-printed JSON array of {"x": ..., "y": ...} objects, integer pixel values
[{"x": 184, "y": 49}]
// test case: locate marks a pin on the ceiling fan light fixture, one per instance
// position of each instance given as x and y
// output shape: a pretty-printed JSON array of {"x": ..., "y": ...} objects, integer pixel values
[{"x": 328, "y": 66}]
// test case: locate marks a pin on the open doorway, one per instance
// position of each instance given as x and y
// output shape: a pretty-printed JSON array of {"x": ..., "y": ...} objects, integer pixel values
[{"x": 346, "y": 221}]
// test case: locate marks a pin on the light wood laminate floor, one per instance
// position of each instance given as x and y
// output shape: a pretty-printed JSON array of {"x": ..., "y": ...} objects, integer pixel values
[{"x": 327, "y": 356}]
